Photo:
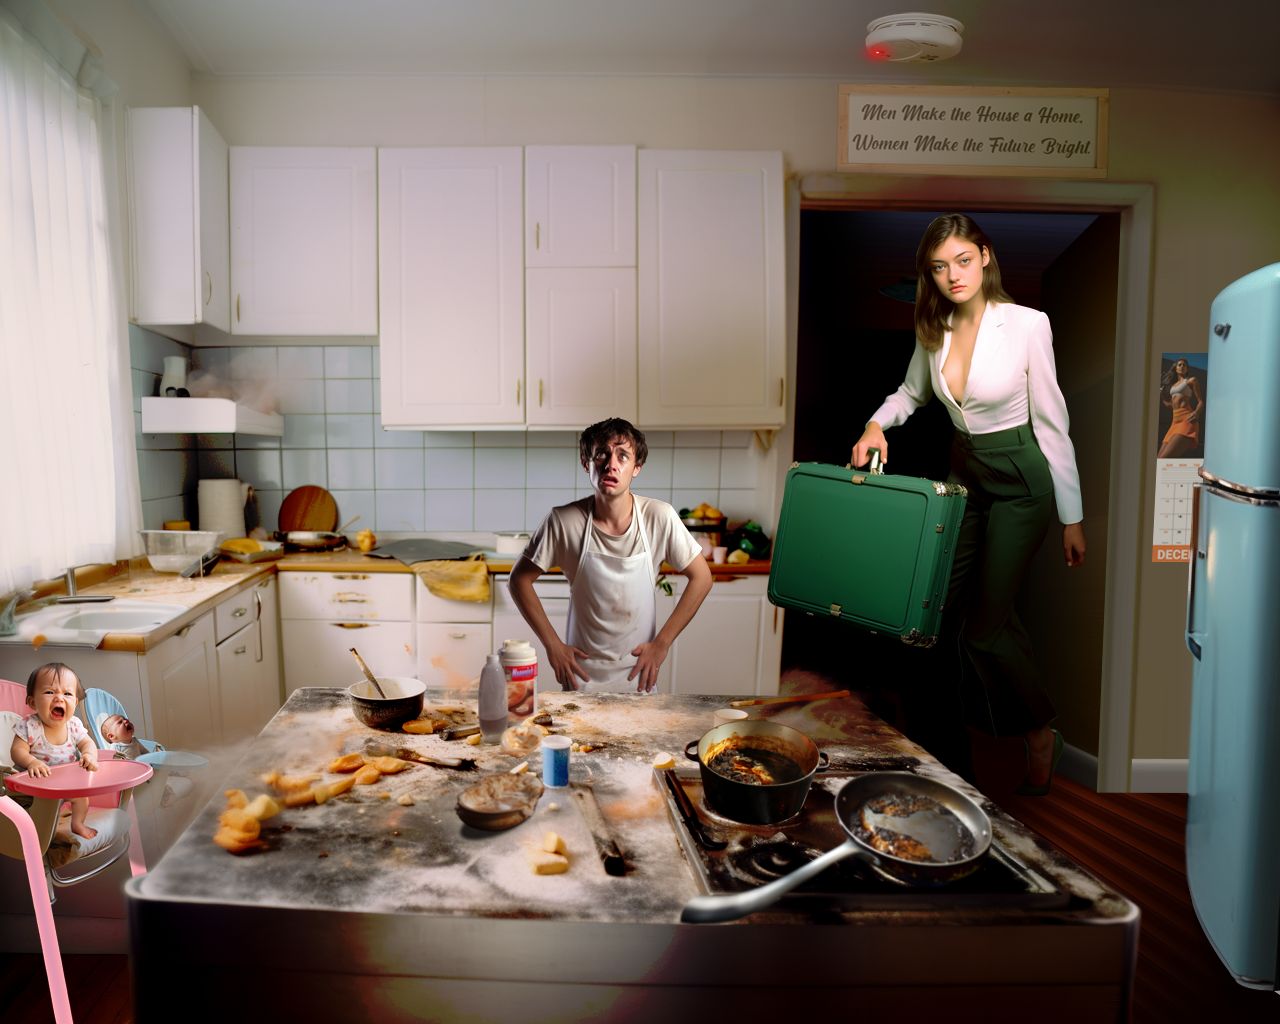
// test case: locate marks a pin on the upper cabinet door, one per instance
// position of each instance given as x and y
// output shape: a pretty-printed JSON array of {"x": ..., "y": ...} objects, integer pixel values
[
  {"x": 303, "y": 241},
  {"x": 712, "y": 289},
  {"x": 451, "y": 286},
  {"x": 581, "y": 346},
  {"x": 177, "y": 186},
  {"x": 580, "y": 206}
]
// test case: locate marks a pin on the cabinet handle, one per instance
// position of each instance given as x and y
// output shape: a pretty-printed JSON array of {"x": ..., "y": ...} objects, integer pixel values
[
  {"x": 782, "y": 392},
  {"x": 241, "y": 650},
  {"x": 352, "y": 600},
  {"x": 457, "y": 636},
  {"x": 539, "y": 392},
  {"x": 537, "y": 235},
  {"x": 353, "y": 625},
  {"x": 237, "y": 307},
  {"x": 239, "y": 613},
  {"x": 185, "y": 630},
  {"x": 775, "y": 618},
  {"x": 209, "y": 278},
  {"x": 348, "y": 576},
  {"x": 517, "y": 392}
]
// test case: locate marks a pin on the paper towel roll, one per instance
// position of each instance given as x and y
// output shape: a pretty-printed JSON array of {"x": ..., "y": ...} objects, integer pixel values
[{"x": 221, "y": 504}]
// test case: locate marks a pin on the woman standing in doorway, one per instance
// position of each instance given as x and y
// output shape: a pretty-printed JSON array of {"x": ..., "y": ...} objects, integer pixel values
[
  {"x": 1178, "y": 389},
  {"x": 990, "y": 362}
]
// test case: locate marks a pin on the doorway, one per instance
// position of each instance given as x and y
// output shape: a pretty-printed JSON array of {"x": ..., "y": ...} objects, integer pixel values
[{"x": 855, "y": 337}]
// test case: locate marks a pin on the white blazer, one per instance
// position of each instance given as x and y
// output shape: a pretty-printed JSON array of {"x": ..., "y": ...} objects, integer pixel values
[{"x": 1012, "y": 381}]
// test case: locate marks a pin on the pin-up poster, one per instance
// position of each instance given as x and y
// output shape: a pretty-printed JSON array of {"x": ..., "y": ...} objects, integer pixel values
[{"x": 1179, "y": 451}]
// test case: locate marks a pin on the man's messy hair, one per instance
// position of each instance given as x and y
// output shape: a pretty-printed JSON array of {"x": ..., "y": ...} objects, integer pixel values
[{"x": 608, "y": 430}]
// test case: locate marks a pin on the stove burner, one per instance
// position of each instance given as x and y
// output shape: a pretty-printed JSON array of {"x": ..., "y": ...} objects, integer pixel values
[
  {"x": 757, "y": 861},
  {"x": 710, "y": 814}
]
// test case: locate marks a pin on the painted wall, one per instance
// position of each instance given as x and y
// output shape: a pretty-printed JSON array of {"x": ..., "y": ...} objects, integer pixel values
[{"x": 167, "y": 463}]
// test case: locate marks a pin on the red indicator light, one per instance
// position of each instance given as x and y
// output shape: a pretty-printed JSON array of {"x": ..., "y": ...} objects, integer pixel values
[{"x": 877, "y": 52}]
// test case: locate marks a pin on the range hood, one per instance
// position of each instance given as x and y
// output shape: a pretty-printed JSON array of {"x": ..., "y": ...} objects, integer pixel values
[{"x": 207, "y": 416}]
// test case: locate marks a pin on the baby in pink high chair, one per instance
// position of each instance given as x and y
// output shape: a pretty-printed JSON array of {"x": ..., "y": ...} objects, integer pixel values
[{"x": 53, "y": 735}]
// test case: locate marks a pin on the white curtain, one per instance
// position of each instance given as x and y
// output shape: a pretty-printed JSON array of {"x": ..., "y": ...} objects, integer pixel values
[{"x": 68, "y": 472}]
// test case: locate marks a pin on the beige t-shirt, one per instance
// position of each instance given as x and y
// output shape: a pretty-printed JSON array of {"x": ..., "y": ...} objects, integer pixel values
[{"x": 558, "y": 541}]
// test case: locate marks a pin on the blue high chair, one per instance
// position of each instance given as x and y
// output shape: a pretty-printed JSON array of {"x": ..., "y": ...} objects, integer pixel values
[{"x": 169, "y": 784}]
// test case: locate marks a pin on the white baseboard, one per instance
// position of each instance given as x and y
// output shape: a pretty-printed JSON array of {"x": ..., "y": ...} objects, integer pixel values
[
  {"x": 1158, "y": 775},
  {"x": 1078, "y": 766}
]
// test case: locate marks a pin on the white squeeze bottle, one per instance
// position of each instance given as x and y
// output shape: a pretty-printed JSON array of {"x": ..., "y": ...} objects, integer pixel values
[
  {"x": 493, "y": 699},
  {"x": 520, "y": 667}
]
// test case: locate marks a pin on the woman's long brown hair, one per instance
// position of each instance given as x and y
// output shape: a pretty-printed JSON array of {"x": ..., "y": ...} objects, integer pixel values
[{"x": 932, "y": 307}]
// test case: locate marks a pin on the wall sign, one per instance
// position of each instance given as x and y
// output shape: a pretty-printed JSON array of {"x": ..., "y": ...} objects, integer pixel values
[{"x": 974, "y": 131}]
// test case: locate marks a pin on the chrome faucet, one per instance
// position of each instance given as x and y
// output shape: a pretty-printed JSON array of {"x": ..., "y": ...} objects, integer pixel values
[
  {"x": 69, "y": 578},
  {"x": 7, "y": 628}
]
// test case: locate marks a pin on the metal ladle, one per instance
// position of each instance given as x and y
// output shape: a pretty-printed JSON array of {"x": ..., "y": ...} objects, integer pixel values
[{"x": 367, "y": 674}]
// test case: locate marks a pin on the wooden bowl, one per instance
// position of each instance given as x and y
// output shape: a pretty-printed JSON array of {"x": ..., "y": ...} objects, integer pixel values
[{"x": 403, "y": 701}]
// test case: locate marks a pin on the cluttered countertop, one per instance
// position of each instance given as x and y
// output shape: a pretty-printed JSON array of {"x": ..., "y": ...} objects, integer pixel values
[{"x": 367, "y": 851}]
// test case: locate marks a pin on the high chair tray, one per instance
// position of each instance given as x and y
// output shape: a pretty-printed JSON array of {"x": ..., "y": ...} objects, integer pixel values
[{"x": 68, "y": 781}]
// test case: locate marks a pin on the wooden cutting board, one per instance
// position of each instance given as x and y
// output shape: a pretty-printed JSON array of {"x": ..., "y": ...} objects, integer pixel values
[{"x": 308, "y": 508}]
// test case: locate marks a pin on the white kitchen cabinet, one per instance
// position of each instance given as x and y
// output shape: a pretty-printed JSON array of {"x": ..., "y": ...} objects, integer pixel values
[
  {"x": 249, "y": 662},
  {"x": 318, "y": 652},
  {"x": 580, "y": 206},
  {"x": 734, "y": 643},
  {"x": 323, "y": 615},
  {"x": 580, "y": 346},
  {"x": 451, "y": 654},
  {"x": 509, "y": 624},
  {"x": 712, "y": 289},
  {"x": 451, "y": 287},
  {"x": 303, "y": 241},
  {"x": 182, "y": 682},
  {"x": 176, "y": 168}
]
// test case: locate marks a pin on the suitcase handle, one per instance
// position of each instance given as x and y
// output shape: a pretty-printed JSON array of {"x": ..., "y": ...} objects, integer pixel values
[{"x": 874, "y": 468}]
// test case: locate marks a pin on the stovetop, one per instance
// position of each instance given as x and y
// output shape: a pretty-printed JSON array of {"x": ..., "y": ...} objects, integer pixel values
[{"x": 756, "y": 854}]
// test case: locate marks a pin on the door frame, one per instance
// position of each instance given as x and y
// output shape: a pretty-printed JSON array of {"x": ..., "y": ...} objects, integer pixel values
[{"x": 1135, "y": 202}]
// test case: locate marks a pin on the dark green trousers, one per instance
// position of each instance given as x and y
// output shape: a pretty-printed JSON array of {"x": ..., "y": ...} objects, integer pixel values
[{"x": 1007, "y": 514}]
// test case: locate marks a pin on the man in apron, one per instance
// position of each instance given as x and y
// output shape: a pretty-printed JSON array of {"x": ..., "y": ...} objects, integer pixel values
[{"x": 610, "y": 546}]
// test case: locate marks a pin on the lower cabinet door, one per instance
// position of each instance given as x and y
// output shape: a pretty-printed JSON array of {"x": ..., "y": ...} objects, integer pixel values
[
  {"x": 451, "y": 654},
  {"x": 239, "y": 679},
  {"x": 318, "y": 653},
  {"x": 182, "y": 675},
  {"x": 510, "y": 625}
]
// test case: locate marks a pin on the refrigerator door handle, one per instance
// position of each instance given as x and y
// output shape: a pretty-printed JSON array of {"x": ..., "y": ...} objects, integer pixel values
[{"x": 1192, "y": 637}]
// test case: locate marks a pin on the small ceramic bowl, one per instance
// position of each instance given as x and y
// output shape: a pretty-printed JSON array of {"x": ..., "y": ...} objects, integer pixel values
[
  {"x": 513, "y": 798},
  {"x": 403, "y": 701}
]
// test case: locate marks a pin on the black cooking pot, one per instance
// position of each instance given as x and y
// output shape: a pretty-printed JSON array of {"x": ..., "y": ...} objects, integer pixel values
[{"x": 743, "y": 801}]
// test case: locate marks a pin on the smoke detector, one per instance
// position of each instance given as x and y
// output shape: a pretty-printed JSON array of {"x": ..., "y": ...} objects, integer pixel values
[{"x": 913, "y": 38}]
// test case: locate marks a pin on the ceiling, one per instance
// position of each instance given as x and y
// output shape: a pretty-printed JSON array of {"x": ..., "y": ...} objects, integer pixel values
[{"x": 1112, "y": 43}]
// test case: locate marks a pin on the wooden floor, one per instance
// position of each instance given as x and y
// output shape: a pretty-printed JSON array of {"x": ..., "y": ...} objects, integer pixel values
[{"x": 1134, "y": 841}]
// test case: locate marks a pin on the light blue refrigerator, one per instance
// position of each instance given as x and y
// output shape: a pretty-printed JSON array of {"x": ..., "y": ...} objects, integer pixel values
[{"x": 1233, "y": 633}]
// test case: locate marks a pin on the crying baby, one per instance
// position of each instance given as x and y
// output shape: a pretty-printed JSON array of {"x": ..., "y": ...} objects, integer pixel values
[{"x": 117, "y": 731}]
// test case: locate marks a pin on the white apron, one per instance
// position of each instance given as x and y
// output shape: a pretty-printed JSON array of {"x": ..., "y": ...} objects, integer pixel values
[{"x": 613, "y": 609}]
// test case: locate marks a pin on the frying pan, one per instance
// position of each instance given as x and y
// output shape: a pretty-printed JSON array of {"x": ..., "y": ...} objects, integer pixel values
[{"x": 705, "y": 909}]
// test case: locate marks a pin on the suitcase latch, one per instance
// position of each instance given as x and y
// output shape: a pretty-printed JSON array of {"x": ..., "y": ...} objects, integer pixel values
[
  {"x": 835, "y": 610},
  {"x": 939, "y": 529},
  {"x": 858, "y": 478},
  {"x": 924, "y": 603}
]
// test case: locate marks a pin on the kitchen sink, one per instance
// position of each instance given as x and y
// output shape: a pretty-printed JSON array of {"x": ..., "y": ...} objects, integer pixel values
[{"x": 79, "y": 624}]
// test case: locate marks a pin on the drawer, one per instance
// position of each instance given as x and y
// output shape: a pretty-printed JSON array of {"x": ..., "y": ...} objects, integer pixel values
[
  {"x": 318, "y": 653},
  {"x": 347, "y": 596},
  {"x": 234, "y": 614},
  {"x": 444, "y": 609},
  {"x": 555, "y": 588},
  {"x": 451, "y": 654}
]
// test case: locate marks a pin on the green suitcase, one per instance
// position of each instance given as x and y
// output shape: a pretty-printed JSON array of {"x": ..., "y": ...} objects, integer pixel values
[{"x": 866, "y": 547}]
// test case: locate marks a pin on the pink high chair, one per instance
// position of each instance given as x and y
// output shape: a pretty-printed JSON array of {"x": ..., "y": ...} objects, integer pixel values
[{"x": 26, "y": 835}]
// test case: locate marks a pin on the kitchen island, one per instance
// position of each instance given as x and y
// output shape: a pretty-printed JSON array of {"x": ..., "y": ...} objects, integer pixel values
[{"x": 364, "y": 908}]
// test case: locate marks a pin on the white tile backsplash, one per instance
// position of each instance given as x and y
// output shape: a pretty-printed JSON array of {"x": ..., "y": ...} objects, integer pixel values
[
  {"x": 264, "y": 510},
  {"x": 448, "y": 510},
  {"x": 299, "y": 361},
  {"x": 398, "y": 469},
  {"x": 449, "y": 468},
  {"x": 499, "y": 509},
  {"x": 550, "y": 467},
  {"x": 400, "y": 511},
  {"x": 400, "y": 480},
  {"x": 500, "y": 467},
  {"x": 348, "y": 396},
  {"x": 348, "y": 361},
  {"x": 350, "y": 469},
  {"x": 305, "y": 466}
]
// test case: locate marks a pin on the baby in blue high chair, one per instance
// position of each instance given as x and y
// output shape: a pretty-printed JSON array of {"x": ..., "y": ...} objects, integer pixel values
[{"x": 53, "y": 735}]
